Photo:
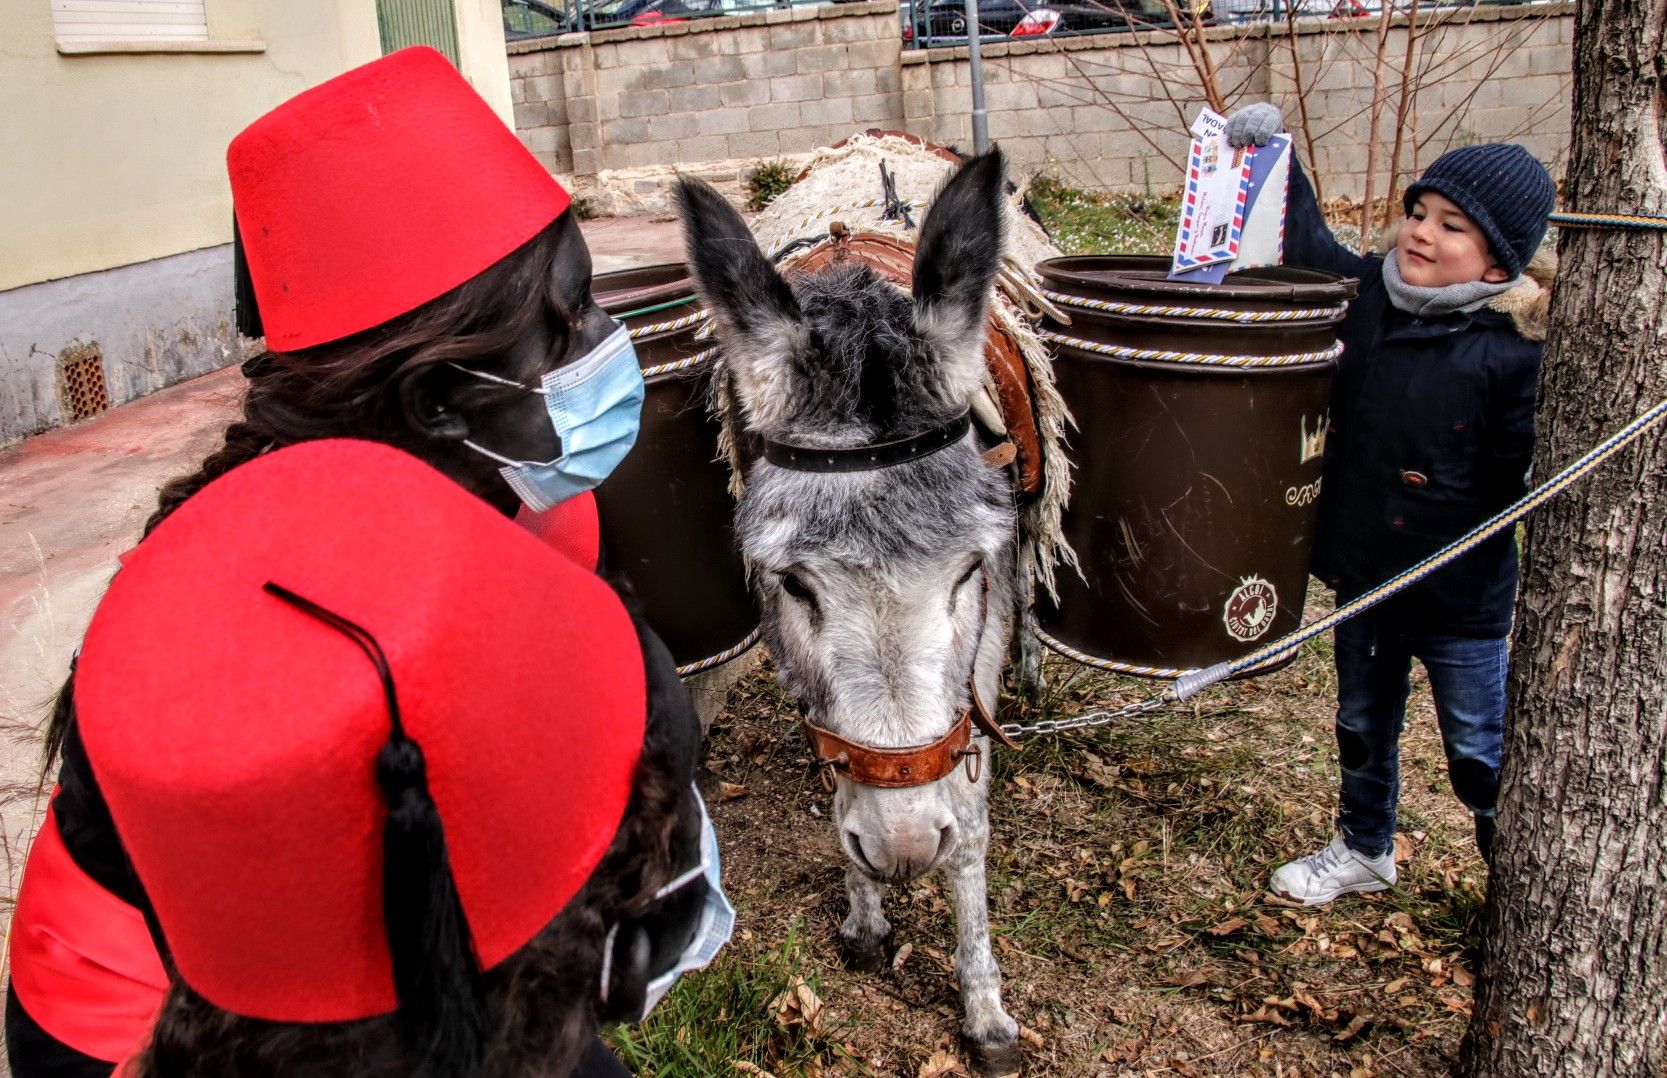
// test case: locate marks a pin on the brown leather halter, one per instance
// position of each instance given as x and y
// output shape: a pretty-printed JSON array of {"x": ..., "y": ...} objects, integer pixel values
[
  {"x": 896, "y": 768},
  {"x": 920, "y": 764},
  {"x": 917, "y": 766}
]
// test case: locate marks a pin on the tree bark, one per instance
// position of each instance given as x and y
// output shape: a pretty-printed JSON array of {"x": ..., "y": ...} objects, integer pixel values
[{"x": 1574, "y": 973}]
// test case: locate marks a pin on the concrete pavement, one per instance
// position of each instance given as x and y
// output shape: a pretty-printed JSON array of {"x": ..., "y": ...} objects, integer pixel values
[{"x": 72, "y": 499}]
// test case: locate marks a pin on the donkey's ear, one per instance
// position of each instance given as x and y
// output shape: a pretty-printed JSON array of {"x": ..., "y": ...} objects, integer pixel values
[
  {"x": 758, "y": 319},
  {"x": 955, "y": 264}
]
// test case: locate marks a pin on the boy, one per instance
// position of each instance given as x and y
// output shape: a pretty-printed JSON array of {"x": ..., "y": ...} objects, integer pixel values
[{"x": 1432, "y": 430}]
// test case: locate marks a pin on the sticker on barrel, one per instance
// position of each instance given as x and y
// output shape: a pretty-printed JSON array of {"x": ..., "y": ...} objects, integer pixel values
[{"x": 1250, "y": 609}]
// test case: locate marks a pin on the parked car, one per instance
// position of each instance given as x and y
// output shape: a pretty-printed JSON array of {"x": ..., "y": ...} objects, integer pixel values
[
  {"x": 1248, "y": 11},
  {"x": 607, "y": 13},
  {"x": 945, "y": 20},
  {"x": 648, "y": 12},
  {"x": 530, "y": 18}
]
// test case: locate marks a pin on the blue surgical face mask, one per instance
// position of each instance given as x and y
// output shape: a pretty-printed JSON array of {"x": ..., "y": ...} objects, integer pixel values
[
  {"x": 717, "y": 921},
  {"x": 595, "y": 404}
]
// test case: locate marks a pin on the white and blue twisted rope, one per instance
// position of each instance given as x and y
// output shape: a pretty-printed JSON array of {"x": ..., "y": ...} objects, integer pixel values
[{"x": 1189, "y": 683}]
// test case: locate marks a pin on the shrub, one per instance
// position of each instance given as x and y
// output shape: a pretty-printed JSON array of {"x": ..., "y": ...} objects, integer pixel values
[{"x": 767, "y": 181}]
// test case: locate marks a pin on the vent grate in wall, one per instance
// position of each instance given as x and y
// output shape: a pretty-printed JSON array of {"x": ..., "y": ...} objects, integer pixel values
[{"x": 82, "y": 391}]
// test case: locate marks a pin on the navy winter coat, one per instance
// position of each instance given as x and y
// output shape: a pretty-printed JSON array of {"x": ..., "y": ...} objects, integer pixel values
[{"x": 1432, "y": 432}]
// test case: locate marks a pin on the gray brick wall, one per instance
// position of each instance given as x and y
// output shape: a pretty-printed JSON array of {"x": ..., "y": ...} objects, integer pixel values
[
  {"x": 1107, "y": 112},
  {"x": 750, "y": 86}
]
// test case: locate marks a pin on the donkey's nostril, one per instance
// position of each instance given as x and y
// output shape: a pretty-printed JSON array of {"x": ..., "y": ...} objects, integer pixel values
[{"x": 853, "y": 844}]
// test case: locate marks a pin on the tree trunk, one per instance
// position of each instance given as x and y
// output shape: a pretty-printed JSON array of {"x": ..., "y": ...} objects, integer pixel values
[{"x": 1574, "y": 974}]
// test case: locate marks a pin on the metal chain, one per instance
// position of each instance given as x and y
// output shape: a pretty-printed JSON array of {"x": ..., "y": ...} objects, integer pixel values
[{"x": 1090, "y": 720}]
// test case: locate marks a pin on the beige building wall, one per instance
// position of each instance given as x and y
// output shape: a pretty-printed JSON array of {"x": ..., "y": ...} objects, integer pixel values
[
  {"x": 116, "y": 157},
  {"x": 115, "y": 228},
  {"x": 119, "y": 157},
  {"x": 480, "y": 48}
]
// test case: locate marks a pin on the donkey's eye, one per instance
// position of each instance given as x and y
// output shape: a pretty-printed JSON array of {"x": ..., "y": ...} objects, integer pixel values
[{"x": 795, "y": 587}]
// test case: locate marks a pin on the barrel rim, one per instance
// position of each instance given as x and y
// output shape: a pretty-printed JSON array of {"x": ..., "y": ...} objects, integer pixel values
[
  {"x": 676, "y": 284},
  {"x": 1201, "y": 364},
  {"x": 1146, "y": 275}
]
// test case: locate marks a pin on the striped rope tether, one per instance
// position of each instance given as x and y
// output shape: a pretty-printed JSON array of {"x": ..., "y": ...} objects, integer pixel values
[
  {"x": 1114, "y": 307},
  {"x": 1165, "y": 673},
  {"x": 1191, "y": 682},
  {"x": 720, "y": 658},
  {"x": 667, "y": 327},
  {"x": 1499, "y": 522},
  {"x": 1204, "y": 359},
  {"x": 1609, "y": 220},
  {"x": 680, "y": 365}
]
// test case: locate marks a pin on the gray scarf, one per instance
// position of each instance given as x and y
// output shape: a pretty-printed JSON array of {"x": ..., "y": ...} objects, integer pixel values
[{"x": 1429, "y": 302}]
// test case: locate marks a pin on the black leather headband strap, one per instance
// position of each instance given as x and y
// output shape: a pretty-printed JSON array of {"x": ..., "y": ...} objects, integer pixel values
[{"x": 864, "y": 458}]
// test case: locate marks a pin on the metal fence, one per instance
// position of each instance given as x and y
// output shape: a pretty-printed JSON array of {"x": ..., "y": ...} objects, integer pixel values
[
  {"x": 942, "y": 23},
  {"x": 524, "y": 19}
]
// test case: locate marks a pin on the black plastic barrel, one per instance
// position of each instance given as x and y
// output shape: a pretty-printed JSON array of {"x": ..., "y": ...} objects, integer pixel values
[
  {"x": 667, "y": 516},
  {"x": 1201, "y": 414}
]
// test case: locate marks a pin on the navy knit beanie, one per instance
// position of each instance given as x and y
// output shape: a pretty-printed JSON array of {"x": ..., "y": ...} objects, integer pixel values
[{"x": 1502, "y": 188}]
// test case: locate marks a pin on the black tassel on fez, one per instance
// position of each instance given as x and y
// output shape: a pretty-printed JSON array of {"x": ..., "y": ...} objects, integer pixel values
[
  {"x": 442, "y": 1012},
  {"x": 243, "y": 290}
]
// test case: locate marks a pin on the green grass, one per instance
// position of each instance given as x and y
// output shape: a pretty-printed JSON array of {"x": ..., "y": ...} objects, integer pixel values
[
  {"x": 1084, "y": 222},
  {"x": 726, "y": 1013}
]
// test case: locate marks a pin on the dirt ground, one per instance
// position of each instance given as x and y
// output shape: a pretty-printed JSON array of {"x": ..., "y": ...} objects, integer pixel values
[{"x": 1128, "y": 903}]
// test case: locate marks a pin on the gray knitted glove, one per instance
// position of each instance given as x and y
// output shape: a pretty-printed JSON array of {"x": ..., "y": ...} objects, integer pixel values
[{"x": 1254, "y": 124}]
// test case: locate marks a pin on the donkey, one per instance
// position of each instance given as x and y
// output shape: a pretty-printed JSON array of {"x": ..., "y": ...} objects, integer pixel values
[{"x": 881, "y": 547}]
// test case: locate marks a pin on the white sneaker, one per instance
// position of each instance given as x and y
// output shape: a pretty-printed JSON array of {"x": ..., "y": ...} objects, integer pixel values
[{"x": 1333, "y": 872}]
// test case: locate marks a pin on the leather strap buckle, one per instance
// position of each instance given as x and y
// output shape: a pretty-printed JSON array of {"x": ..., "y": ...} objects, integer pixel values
[{"x": 891, "y": 768}]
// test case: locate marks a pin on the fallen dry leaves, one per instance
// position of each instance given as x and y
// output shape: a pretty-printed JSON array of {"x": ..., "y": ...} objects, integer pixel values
[
  {"x": 798, "y": 1005},
  {"x": 1303, "y": 1008},
  {"x": 942, "y": 1062},
  {"x": 1127, "y": 906}
]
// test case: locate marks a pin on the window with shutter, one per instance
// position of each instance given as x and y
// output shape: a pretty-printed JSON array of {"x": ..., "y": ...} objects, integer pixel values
[{"x": 102, "y": 22}]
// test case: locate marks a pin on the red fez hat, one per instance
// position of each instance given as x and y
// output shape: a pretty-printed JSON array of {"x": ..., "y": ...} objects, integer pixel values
[
  {"x": 240, "y": 737},
  {"x": 363, "y": 198},
  {"x": 570, "y": 527}
]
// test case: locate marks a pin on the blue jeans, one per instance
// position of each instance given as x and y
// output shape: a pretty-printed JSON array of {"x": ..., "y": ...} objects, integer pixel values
[{"x": 1467, "y": 679}]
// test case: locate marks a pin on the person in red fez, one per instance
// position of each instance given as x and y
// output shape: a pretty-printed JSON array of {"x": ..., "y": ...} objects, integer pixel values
[
  {"x": 419, "y": 283},
  {"x": 460, "y": 839}
]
